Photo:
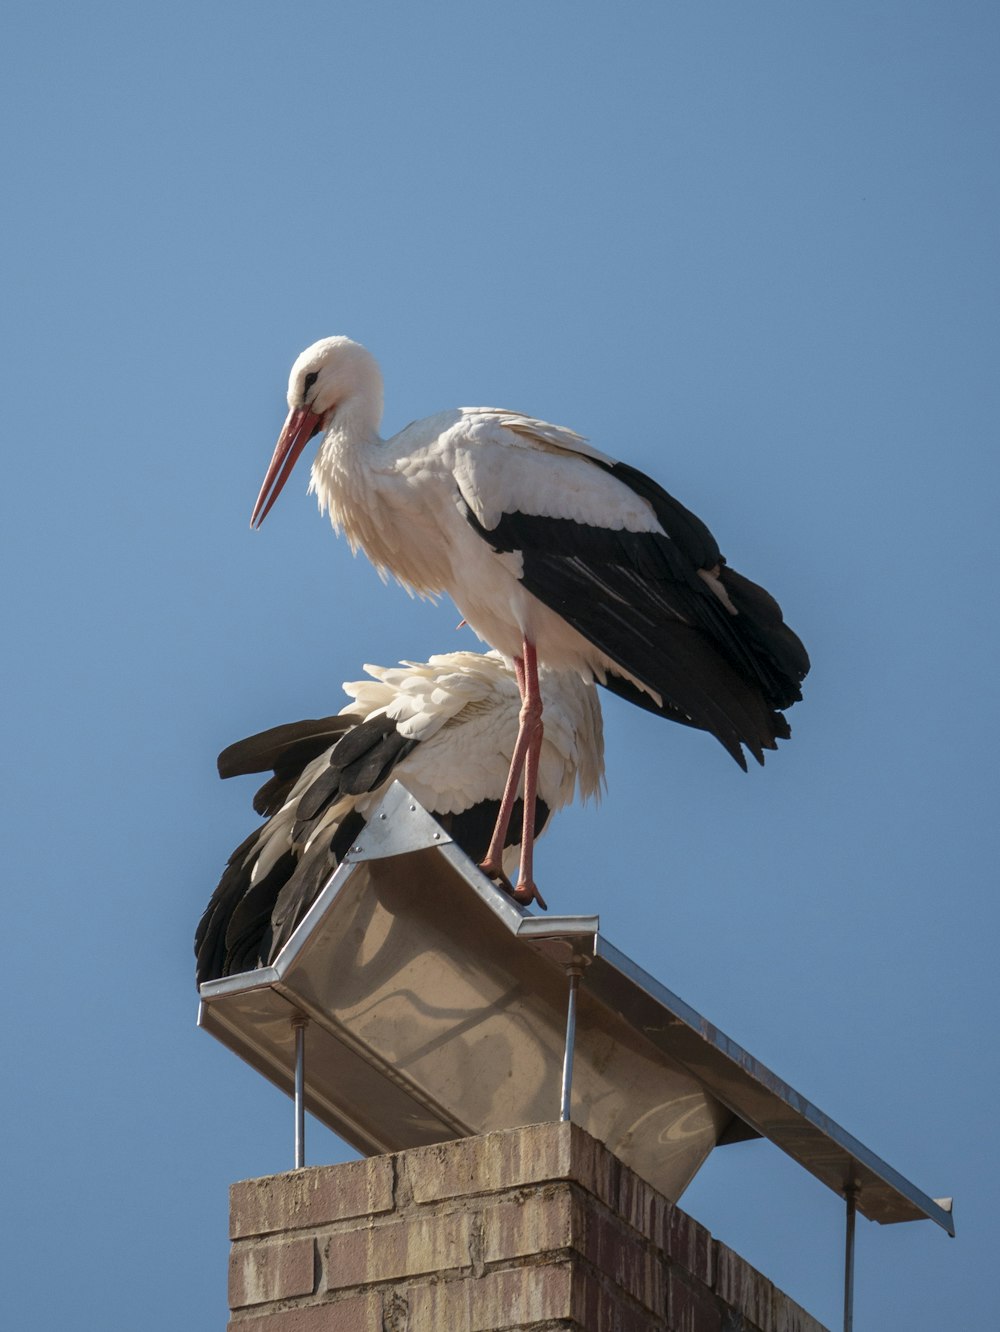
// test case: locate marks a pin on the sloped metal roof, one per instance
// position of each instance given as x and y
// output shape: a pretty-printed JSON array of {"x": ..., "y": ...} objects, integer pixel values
[{"x": 436, "y": 1009}]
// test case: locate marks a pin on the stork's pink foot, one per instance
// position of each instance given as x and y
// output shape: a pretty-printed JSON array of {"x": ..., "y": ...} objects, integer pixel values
[
  {"x": 527, "y": 892},
  {"x": 494, "y": 870}
]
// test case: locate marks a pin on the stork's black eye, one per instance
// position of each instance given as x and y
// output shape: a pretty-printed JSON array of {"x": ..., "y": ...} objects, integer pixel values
[{"x": 309, "y": 380}]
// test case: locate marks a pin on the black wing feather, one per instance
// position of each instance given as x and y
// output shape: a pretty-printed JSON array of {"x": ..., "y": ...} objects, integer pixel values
[
  {"x": 282, "y": 748},
  {"x": 367, "y": 755},
  {"x": 246, "y": 924},
  {"x": 680, "y": 524},
  {"x": 306, "y": 883},
  {"x": 233, "y": 920},
  {"x": 761, "y": 618},
  {"x": 285, "y": 750},
  {"x": 641, "y": 599}
]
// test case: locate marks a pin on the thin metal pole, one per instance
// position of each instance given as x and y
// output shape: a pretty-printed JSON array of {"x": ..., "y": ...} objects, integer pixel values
[
  {"x": 299, "y": 1024},
  {"x": 573, "y": 972},
  {"x": 851, "y": 1194}
]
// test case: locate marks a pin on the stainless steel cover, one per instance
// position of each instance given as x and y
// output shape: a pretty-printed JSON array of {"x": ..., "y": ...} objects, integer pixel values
[{"x": 437, "y": 1009}]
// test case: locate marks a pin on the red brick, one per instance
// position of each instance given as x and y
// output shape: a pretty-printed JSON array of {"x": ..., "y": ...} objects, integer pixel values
[
  {"x": 311, "y": 1197},
  {"x": 275, "y": 1270},
  {"x": 505, "y": 1160},
  {"x": 791, "y": 1317},
  {"x": 756, "y": 1298},
  {"x": 525, "y": 1226},
  {"x": 517, "y": 1298},
  {"x": 408, "y": 1247},
  {"x": 626, "y": 1194},
  {"x": 562, "y": 1217},
  {"x": 622, "y": 1256},
  {"x": 690, "y": 1246},
  {"x": 598, "y": 1309},
  {"x": 642, "y": 1207},
  {"x": 691, "y": 1307},
  {"x": 742, "y": 1286},
  {"x": 532, "y": 1228},
  {"x": 358, "y": 1313},
  {"x": 517, "y": 1158}
]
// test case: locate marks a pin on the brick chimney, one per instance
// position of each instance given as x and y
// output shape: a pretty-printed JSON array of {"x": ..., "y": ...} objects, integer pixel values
[{"x": 530, "y": 1228}]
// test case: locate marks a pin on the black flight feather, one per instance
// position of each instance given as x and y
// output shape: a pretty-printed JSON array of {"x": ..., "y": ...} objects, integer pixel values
[
  {"x": 285, "y": 750},
  {"x": 305, "y": 884},
  {"x": 368, "y": 753},
  {"x": 247, "y": 924},
  {"x": 642, "y": 598}
]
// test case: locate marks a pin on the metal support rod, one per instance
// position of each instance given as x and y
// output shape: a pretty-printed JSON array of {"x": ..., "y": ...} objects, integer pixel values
[
  {"x": 851, "y": 1194},
  {"x": 573, "y": 972},
  {"x": 299, "y": 1024}
]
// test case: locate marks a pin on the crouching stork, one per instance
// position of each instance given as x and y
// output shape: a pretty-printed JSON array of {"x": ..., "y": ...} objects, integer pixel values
[{"x": 446, "y": 729}]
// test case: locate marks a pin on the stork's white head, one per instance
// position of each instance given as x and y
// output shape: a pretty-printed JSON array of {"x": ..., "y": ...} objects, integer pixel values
[
  {"x": 334, "y": 371},
  {"x": 335, "y": 383}
]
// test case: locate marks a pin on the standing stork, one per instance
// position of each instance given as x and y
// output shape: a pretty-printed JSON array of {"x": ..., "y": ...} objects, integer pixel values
[
  {"x": 553, "y": 552},
  {"x": 446, "y": 728}
]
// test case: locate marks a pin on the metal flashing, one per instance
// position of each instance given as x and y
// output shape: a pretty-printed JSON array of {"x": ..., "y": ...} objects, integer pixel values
[{"x": 437, "y": 1008}]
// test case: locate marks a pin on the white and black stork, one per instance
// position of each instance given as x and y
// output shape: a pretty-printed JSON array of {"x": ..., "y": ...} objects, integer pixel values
[
  {"x": 553, "y": 552},
  {"x": 445, "y": 728}
]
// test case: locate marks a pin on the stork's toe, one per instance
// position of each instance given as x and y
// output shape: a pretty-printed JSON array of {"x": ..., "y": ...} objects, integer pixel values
[{"x": 527, "y": 892}]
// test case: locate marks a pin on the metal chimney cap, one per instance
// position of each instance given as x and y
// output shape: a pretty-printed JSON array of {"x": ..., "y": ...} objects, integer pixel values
[{"x": 437, "y": 1008}]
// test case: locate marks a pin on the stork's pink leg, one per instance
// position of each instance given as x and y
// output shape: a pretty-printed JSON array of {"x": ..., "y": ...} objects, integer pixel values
[
  {"x": 524, "y": 760},
  {"x": 531, "y": 695},
  {"x": 493, "y": 864}
]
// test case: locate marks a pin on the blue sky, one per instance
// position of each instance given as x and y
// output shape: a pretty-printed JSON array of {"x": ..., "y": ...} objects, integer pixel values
[{"x": 751, "y": 249}]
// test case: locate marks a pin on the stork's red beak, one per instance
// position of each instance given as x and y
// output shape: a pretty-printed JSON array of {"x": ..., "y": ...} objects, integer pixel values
[{"x": 296, "y": 433}]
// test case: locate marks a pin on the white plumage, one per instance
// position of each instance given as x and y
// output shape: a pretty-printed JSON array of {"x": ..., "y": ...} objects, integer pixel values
[
  {"x": 551, "y": 550},
  {"x": 445, "y": 728}
]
